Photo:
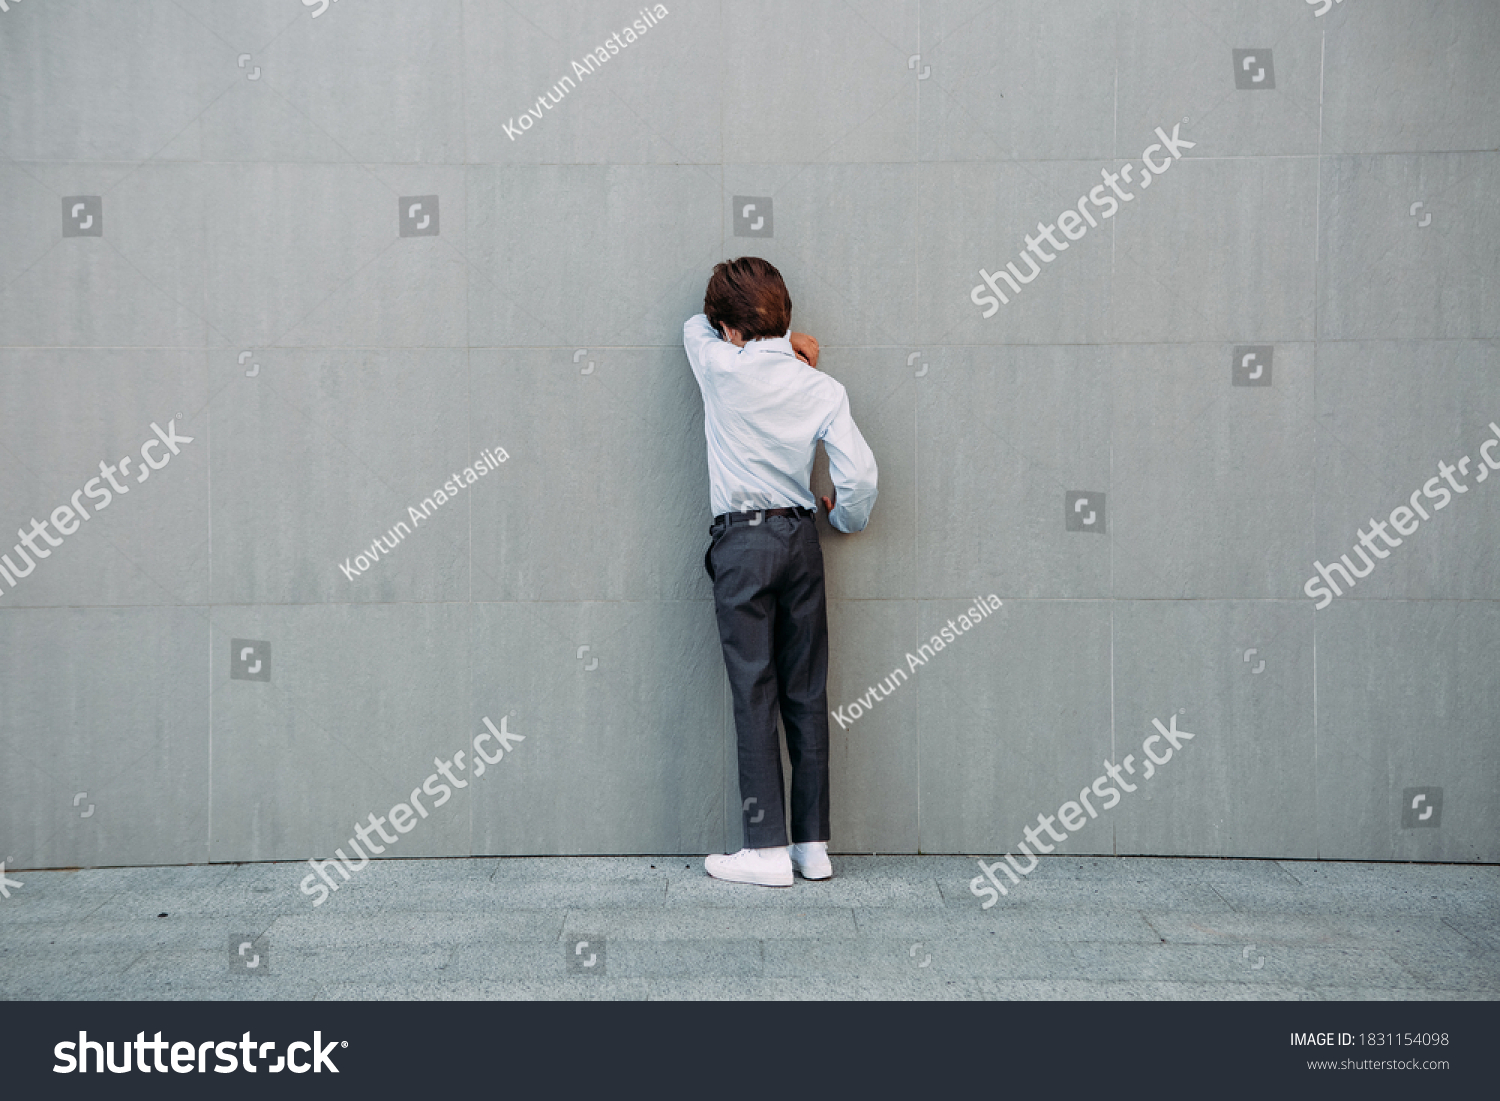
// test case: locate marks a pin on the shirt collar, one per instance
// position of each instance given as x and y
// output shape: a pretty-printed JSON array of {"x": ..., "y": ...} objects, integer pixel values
[{"x": 781, "y": 345}]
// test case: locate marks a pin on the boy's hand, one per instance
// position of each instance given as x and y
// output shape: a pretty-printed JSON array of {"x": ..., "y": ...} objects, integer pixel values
[
  {"x": 828, "y": 501},
  {"x": 806, "y": 348}
]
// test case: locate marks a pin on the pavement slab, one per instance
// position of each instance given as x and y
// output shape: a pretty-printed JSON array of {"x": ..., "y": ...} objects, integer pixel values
[{"x": 656, "y": 927}]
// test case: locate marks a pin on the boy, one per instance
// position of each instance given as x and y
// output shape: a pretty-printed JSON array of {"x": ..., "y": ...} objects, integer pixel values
[{"x": 765, "y": 408}]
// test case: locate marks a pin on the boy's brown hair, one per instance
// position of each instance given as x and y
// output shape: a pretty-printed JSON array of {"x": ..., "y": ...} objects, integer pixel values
[{"x": 748, "y": 294}]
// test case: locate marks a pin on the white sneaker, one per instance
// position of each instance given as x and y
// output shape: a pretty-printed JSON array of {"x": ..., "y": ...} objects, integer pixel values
[
  {"x": 811, "y": 860},
  {"x": 766, "y": 867}
]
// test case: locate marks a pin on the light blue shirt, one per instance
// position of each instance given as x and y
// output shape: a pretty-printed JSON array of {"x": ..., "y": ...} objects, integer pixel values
[{"x": 764, "y": 411}]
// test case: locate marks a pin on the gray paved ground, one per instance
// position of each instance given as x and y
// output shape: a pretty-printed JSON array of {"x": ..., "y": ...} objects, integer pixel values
[{"x": 884, "y": 927}]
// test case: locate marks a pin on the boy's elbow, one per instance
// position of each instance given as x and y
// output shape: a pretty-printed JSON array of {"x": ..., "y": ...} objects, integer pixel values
[{"x": 855, "y": 508}]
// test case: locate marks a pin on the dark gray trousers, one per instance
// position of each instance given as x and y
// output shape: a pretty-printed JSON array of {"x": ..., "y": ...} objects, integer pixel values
[{"x": 773, "y": 626}]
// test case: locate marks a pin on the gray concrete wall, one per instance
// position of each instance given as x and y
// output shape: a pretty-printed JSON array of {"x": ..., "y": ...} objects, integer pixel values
[{"x": 190, "y": 676}]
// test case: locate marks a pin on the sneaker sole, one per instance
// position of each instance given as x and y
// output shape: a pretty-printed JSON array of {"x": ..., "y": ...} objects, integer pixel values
[
  {"x": 751, "y": 882},
  {"x": 815, "y": 878}
]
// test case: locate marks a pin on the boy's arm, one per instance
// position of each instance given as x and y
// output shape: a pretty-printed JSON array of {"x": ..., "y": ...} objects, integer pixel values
[
  {"x": 699, "y": 339},
  {"x": 851, "y": 465}
]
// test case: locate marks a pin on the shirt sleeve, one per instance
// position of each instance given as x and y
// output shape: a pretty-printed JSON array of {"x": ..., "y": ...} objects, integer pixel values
[
  {"x": 698, "y": 338},
  {"x": 851, "y": 465}
]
